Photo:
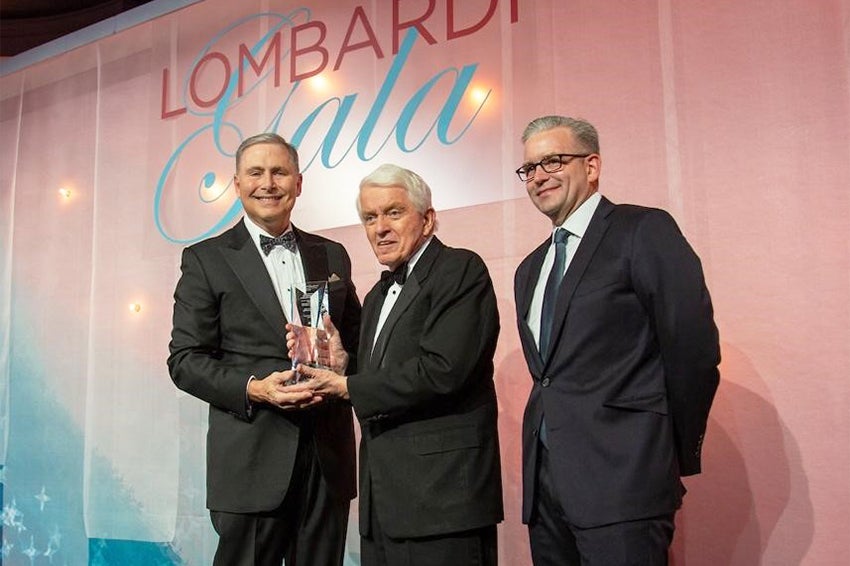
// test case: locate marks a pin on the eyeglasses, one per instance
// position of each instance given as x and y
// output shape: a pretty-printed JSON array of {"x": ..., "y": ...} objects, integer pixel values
[{"x": 550, "y": 164}]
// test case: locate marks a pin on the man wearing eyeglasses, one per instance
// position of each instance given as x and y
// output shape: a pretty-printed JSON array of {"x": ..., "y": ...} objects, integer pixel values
[{"x": 617, "y": 328}]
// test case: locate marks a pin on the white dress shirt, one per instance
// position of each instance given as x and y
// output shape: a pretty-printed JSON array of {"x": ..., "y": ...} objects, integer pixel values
[
  {"x": 576, "y": 225},
  {"x": 284, "y": 267},
  {"x": 394, "y": 291}
]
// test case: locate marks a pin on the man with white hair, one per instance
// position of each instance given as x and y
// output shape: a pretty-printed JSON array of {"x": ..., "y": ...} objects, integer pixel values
[{"x": 430, "y": 481}]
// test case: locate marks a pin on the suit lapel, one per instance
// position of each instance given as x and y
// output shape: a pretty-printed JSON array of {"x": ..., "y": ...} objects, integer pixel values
[
  {"x": 524, "y": 295},
  {"x": 243, "y": 258},
  {"x": 409, "y": 292},
  {"x": 589, "y": 244},
  {"x": 529, "y": 282},
  {"x": 314, "y": 256},
  {"x": 369, "y": 322}
]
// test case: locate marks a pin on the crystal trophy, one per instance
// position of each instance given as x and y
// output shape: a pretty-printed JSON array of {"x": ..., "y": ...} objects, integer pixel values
[{"x": 311, "y": 342}]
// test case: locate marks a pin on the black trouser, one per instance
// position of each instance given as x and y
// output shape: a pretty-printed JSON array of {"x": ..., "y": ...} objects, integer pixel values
[
  {"x": 307, "y": 529},
  {"x": 477, "y": 547},
  {"x": 556, "y": 542}
]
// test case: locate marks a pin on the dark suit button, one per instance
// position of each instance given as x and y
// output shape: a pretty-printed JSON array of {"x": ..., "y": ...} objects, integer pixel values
[{"x": 545, "y": 382}]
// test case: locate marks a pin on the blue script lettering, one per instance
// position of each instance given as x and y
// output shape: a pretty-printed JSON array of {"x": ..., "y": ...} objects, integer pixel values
[{"x": 365, "y": 151}]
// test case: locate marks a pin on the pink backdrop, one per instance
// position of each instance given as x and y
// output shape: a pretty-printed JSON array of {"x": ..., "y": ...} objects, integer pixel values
[{"x": 733, "y": 116}]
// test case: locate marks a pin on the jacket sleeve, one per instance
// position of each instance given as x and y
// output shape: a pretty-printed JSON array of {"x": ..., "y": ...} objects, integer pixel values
[
  {"x": 670, "y": 283},
  {"x": 196, "y": 359}
]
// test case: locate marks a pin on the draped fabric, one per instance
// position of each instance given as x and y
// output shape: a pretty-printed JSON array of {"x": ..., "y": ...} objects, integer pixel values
[{"x": 733, "y": 116}]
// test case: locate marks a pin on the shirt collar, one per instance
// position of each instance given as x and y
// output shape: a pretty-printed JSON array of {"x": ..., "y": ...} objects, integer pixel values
[
  {"x": 415, "y": 257},
  {"x": 577, "y": 222}
]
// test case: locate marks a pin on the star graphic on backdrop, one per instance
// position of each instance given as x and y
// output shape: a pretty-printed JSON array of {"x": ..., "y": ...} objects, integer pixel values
[
  {"x": 12, "y": 516},
  {"x": 42, "y": 497},
  {"x": 6, "y": 549},
  {"x": 9, "y": 514},
  {"x": 51, "y": 550},
  {"x": 55, "y": 537},
  {"x": 30, "y": 551}
]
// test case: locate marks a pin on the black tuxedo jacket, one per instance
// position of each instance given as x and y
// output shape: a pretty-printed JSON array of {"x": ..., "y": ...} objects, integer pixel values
[
  {"x": 228, "y": 326},
  {"x": 628, "y": 384},
  {"x": 429, "y": 454}
]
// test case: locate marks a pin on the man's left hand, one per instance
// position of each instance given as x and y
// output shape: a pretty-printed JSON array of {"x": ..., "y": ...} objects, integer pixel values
[{"x": 324, "y": 383}]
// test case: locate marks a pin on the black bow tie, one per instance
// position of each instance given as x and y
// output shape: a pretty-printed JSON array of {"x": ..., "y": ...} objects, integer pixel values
[
  {"x": 287, "y": 240},
  {"x": 398, "y": 275}
]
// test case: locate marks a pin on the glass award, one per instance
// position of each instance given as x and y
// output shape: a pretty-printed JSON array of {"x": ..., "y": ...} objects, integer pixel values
[{"x": 311, "y": 342}]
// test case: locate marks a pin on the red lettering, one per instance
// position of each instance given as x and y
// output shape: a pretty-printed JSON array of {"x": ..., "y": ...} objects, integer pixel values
[
  {"x": 192, "y": 83},
  {"x": 317, "y": 46},
  {"x": 168, "y": 113},
  {"x": 450, "y": 21},
  {"x": 358, "y": 15},
  {"x": 245, "y": 55},
  {"x": 398, "y": 26},
  {"x": 514, "y": 11}
]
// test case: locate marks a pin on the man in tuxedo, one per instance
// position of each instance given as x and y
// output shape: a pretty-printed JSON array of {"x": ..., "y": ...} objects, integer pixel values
[
  {"x": 430, "y": 481},
  {"x": 280, "y": 478},
  {"x": 617, "y": 328}
]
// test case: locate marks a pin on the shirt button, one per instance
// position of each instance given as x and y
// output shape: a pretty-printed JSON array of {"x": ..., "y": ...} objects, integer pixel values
[{"x": 545, "y": 382}]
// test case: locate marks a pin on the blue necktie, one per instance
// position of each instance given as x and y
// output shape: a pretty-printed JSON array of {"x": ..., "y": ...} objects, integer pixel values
[
  {"x": 547, "y": 315},
  {"x": 550, "y": 295}
]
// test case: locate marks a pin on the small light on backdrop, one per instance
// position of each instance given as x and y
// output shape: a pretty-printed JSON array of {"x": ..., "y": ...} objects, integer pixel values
[
  {"x": 479, "y": 94},
  {"x": 212, "y": 188},
  {"x": 319, "y": 83},
  {"x": 65, "y": 192},
  {"x": 135, "y": 307}
]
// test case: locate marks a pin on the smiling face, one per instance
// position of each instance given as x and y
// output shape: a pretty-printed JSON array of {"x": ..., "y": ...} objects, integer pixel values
[
  {"x": 267, "y": 182},
  {"x": 394, "y": 227},
  {"x": 559, "y": 194}
]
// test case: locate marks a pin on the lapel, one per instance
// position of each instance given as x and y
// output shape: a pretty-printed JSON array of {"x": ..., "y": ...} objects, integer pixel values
[
  {"x": 320, "y": 265},
  {"x": 242, "y": 257},
  {"x": 589, "y": 244},
  {"x": 409, "y": 291},
  {"x": 524, "y": 296},
  {"x": 369, "y": 322},
  {"x": 314, "y": 256},
  {"x": 526, "y": 291}
]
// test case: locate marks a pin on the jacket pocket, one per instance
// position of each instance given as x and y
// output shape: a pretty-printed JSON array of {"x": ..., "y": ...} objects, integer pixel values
[
  {"x": 654, "y": 402},
  {"x": 445, "y": 441},
  {"x": 611, "y": 276}
]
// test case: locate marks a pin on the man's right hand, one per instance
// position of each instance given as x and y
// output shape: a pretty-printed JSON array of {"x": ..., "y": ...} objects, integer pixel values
[{"x": 270, "y": 391}]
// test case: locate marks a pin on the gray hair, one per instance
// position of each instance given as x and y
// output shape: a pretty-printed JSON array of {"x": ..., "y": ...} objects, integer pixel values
[
  {"x": 583, "y": 131},
  {"x": 389, "y": 175},
  {"x": 271, "y": 138}
]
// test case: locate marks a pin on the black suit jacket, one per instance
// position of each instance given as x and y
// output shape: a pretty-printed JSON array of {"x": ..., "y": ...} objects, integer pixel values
[
  {"x": 229, "y": 325},
  {"x": 429, "y": 455},
  {"x": 628, "y": 384}
]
